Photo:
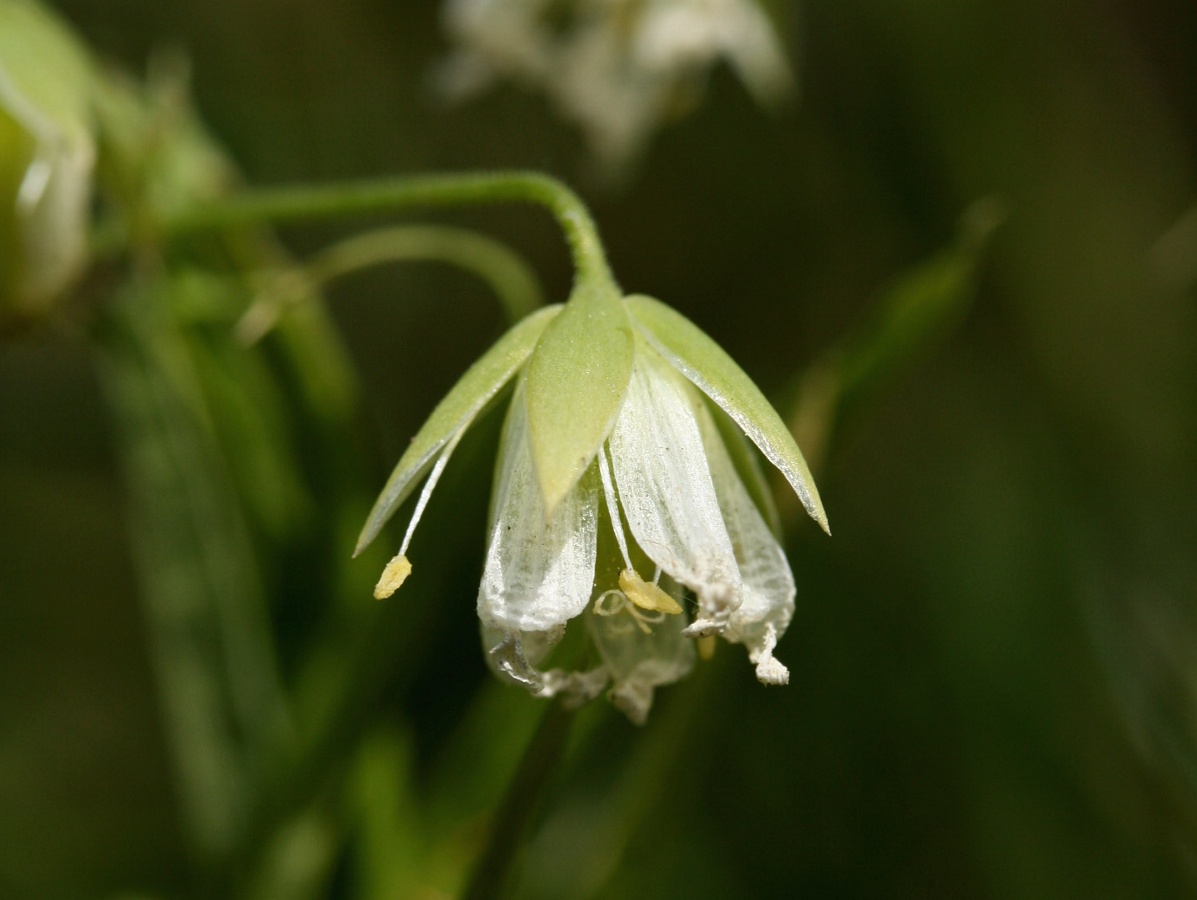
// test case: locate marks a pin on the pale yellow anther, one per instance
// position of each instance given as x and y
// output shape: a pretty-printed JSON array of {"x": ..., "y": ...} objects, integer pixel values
[
  {"x": 706, "y": 646},
  {"x": 393, "y": 577},
  {"x": 647, "y": 595}
]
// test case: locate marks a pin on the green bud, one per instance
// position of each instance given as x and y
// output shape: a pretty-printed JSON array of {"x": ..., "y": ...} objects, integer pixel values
[{"x": 47, "y": 156}]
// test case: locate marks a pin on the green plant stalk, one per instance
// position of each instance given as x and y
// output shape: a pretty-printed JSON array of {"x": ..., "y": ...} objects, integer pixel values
[
  {"x": 492, "y": 261},
  {"x": 506, "y": 831},
  {"x": 310, "y": 203},
  {"x": 224, "y": 705}
]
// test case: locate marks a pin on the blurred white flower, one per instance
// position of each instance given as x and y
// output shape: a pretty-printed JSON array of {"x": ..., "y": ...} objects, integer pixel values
[{"x": 619, "y": 68}]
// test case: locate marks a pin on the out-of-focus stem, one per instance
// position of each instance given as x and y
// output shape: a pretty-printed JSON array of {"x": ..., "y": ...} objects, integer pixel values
[
  {"x": 536, "y": 767},
  {"x": 494, "y": 262},
  {"x": 361, "y": 198}
]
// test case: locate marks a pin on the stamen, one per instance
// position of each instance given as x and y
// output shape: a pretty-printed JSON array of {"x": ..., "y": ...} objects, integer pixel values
[
  {"x": 647, "y": 595},
  {"x": 613, "y": 507},
  {"x": 433, "y": 477},
  {"x": 613, "y": 602},
  {"x": 393, "y": 576}
]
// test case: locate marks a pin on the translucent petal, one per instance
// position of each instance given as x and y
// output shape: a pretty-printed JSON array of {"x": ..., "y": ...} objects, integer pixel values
[
  {"x": 716, "y": 374},
  {"x": 640, "y": 661},
  {"x": 538, "y": 574},
  {"x": 515, "y": 655},
  {"x": 768, "y": 585},
  {"x": 665, "y": 485}
]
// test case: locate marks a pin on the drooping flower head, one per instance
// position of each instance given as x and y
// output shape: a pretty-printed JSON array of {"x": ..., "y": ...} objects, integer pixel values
[{"x": 626, "y": 508}]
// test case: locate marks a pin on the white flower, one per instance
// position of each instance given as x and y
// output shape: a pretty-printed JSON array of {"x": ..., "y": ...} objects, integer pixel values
[
  {"x": 619, "y": 68},
  {"x": 664, "y": 489},
  {"x": 655, "y": 545}
]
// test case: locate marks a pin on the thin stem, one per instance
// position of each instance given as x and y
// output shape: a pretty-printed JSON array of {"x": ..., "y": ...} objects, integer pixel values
[
  {"x": 540, "y": 759},
  {"x": 306, "y": 203},
  {"x": 494, "y": 262}
]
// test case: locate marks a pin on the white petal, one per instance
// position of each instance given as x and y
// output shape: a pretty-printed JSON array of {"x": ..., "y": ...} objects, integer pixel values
[
  {"x": 768, "y": 584},
  {"x": 538, "y": 575},
  {"x": 665, "y": 485},
  {"x": 514, "y": 656},
  {"x": 641, "y": 661}
]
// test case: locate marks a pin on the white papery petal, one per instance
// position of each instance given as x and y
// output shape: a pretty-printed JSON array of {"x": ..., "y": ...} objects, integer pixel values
[
  {"x": 639, "y": 661},
  {"x": 538, "y": 575},
  {"x": 665, "y": 485},
  {"x": 768, "y": 585},
  {"x": 515, "y": 655}
]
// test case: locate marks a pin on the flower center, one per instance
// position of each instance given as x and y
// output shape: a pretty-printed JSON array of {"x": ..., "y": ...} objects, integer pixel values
[{"x": 645, "y": 601}]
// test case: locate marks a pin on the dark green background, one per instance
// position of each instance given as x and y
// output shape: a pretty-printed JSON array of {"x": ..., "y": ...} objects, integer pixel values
[{"x": 994, "y": 660}]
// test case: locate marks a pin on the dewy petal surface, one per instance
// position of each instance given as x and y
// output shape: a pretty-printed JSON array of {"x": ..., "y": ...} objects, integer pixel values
[
  {"x": 664, "y": 482},
  {"x": 538, "y": 574},
  {"x": 768, "y": 585},
  {"x": 453, "y": 414}
]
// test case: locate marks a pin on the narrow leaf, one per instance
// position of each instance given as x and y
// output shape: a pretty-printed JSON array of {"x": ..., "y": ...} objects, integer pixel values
[
  {"x": 716, "y": 374},
  {"x": 461, "y": 405},
  {"x": 576, "y": 383}
]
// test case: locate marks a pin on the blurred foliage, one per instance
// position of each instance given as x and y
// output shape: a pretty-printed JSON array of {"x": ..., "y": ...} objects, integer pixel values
[{"x": 993, "y": 675}]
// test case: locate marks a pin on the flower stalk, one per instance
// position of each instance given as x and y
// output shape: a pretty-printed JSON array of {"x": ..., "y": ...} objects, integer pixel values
[
  {"x": 504, "y": 836},
  {"x": 373, "y": 197}
]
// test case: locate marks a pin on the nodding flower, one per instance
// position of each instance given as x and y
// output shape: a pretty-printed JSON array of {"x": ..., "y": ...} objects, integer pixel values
[{"x": 617, "y": 575}]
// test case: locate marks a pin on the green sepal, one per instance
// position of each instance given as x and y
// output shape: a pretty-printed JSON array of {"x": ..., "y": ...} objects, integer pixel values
[
  {"x": 577, "y": 379},
  {"x": 461, "y": 405},
  {"x": 716, "y": 374},
  {"x": 747, "y": 464}
]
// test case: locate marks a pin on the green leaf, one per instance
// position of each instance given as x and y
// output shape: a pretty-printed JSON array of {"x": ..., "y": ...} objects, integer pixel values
[
  {"x": 224, "y": 705},
  {"x": 716, "y": 374},
  {"x": 577, "y": 378},
  {"x": 461, "y": 405}
]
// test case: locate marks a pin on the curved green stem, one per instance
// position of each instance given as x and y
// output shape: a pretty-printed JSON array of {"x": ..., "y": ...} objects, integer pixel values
[
  {"x": 494, "y": 262},
  {"x": 306, "y": 203}
]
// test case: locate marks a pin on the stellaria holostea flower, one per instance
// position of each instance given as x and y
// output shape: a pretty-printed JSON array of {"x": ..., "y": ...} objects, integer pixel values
[{"x": 622, "y": 512}]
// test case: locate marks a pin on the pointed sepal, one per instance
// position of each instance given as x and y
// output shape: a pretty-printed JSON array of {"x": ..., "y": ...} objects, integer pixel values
[
  {"x": 454, "y": 414},
  {"x": 577, "y": 379},
  {"x": 718, "y": 376}
]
